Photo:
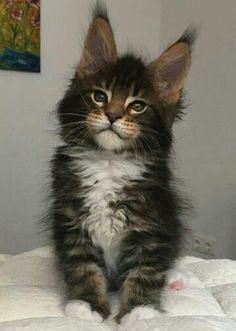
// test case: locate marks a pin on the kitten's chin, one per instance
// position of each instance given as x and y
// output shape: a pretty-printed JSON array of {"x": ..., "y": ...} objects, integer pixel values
[{"x": 109, "y": 140}]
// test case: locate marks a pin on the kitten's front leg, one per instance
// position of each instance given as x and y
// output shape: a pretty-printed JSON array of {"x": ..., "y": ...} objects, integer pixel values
[
  {"x": 144, "y": 263},
  {"x": 141, "y": 288},
  {"x": 87, "y": 292},
  {"x": 86, "y": 284}
]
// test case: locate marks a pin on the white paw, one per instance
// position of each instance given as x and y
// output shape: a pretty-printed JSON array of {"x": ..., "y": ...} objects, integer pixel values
[
  {"x": 176, "y": 280},
  {"x": 140, "y": 313},
  {"x": 82, "y": 310}
]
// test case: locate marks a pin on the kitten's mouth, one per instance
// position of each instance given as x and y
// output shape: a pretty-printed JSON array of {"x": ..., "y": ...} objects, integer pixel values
[
  {"x": 109, "y": 139},
  {"x": 111, "y": 131}
]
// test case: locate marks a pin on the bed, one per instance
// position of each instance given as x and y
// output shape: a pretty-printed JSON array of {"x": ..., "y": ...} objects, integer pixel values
[{"x": 31, "y": 298}]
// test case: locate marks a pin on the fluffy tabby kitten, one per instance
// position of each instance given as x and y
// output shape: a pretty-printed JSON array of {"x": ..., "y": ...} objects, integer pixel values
[{"x": 116, "y": 216}]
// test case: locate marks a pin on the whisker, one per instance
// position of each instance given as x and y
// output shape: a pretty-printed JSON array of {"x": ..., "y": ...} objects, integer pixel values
[
  {"x": 72, "y": 123},
  {"x": 74, "y": 114},
  {"x": 78, "y": 127},
  {"x": 134, "y": 145},
  {"x": 83, "y": 133},
  {"x": 142, "y": 147},
  {"x": 146, "y": 143}
]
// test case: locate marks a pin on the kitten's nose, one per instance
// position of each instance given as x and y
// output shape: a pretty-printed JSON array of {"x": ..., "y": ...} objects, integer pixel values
[{"x": 114, "y": 113}]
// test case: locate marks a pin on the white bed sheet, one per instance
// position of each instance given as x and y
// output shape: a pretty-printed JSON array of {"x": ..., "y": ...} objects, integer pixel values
[{"x": 31, "y": 298}]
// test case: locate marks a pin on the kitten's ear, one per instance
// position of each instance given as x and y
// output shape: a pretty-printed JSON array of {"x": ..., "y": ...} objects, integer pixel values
[
  {"x": 170, "y": 70},
  {"x": 99, "y": 48}
]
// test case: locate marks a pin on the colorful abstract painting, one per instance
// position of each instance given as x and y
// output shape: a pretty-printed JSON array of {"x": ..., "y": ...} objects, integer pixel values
[{"x": 20, "y": 35}]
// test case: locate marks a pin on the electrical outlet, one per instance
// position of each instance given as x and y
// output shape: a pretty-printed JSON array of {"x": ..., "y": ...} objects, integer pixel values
[{"x": 203, "y": 244}]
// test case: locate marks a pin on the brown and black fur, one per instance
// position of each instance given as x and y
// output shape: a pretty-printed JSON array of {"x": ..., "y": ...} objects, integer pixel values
[{"x": 153, "y": 208}]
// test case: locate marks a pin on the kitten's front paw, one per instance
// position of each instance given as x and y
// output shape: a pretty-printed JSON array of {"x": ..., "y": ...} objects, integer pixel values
[
  {"x": 82, "y": 310},
  {"x": 176, "y": 280},
  {"x": 140, "y": 313}
]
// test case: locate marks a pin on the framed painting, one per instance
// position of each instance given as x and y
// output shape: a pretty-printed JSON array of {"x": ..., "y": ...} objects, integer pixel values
[{"x": 20, "y": 35}]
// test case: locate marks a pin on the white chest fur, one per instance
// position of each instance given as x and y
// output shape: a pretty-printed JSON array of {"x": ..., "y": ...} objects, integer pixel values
[{"x": 103, "y": 177}]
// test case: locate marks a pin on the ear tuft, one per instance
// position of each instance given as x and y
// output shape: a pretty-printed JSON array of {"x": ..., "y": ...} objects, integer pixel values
[
  {"x": 99, "y": 48},
  {"x": 189, "y": 37},
  {"x": 100, "y": 11}
]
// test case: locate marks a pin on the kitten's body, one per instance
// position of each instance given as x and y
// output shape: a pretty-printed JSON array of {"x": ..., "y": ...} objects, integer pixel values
[
  {"x": 104, "y": 176},
  {"x": 111, "y": 202},
  {"x": 116, "y": 216}
]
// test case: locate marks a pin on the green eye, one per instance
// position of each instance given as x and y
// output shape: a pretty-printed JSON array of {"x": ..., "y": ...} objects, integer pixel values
[
  {"x": 138, "y": 106},
  {"x": 99, "y": 96}
]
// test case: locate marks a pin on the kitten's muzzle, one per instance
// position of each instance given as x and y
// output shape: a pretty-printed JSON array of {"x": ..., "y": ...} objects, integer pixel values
[
  {"x": 114, "y": 123},
  {"x": 111, "y": 125},
  {"x": 114, "y": 130}
]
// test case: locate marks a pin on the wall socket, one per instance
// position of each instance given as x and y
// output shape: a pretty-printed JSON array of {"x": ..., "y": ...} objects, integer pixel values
[{"x": 203, "y": 244}]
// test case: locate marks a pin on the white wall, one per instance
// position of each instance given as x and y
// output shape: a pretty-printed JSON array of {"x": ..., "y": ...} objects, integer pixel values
[
  {"x": 26, "y": 138},
  {"x": 206, "y": 138}
]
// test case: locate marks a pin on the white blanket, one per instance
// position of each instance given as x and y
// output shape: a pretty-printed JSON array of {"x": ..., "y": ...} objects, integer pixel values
[{"x": 31, "y": 298}]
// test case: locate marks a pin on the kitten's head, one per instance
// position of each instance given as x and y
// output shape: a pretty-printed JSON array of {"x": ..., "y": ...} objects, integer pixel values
[{"x": 120, "y": 102}]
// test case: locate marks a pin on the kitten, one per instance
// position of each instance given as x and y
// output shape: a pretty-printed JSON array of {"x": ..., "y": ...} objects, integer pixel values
[{"x": 116, "y": 216}]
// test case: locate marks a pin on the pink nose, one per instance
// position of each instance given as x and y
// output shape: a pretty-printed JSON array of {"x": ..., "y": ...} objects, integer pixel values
[{"x": 113, "y": 116}]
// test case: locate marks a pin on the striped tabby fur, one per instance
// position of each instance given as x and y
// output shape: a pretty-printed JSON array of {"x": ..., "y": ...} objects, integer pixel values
[{"x": 115, "y": 213}]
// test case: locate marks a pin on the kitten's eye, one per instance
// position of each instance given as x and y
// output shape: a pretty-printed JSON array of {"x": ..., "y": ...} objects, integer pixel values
[
  {"x": 138, "y": 106},
  {"x": 99, "y": 97}
]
